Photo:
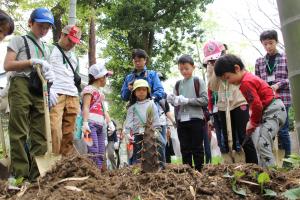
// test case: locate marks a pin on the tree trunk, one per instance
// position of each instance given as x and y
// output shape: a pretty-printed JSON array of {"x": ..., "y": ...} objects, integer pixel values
[
  {"x": 92, "y": 42},
  {"x": 289, "y": 12},
  {"x": 57, "y": 11},
  {"x": 72, "y": 14}
]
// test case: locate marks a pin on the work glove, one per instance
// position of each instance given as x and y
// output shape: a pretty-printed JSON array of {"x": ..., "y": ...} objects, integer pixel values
[
  {"x": 171, "y": 98},
  {"x": 53, "y": 98},
  {"x": 111, "y": 126},
  {"x": 250, "y": 128},
  {"x": 116, "y": 145},
  {"x": 130, "y": 138},
  {"x": 87, "y": 134},
  {"x": 47, "y": 69},
  {"x": 180, "y": 100}
]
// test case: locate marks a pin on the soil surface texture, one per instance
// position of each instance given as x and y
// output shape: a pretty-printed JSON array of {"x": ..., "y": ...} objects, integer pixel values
[{"x": 78, "y": 178}]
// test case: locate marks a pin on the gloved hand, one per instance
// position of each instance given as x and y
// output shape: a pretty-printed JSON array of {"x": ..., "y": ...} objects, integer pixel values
[
  {"x": 171, "y": 98},
  {"x": 116, "y": 145},
  {"x": 46, "y": 68},
  {"x": 53, "y": 98},
  {"x": 182, "y": 100},
  {"x": 130, "y": 138},
  {"x": 111, "y": 126},
  {"x": 250, "y": 128},
  {"x": 87, "y": 134}
]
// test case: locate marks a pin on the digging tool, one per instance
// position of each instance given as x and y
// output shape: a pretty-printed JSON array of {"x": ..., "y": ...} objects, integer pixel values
[
  {"x": 233, "y": 155},
  {"x": 5, "y": 161},
  {"x": 228, "y": 125},
  {"x": 46, "y": 162}
]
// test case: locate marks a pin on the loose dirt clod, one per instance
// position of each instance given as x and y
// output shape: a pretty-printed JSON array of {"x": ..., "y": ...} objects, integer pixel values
[{"x": 175, "y": 182}]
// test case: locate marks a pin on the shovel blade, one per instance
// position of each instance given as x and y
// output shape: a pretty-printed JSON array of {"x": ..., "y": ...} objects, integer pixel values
[
  {"x": 46, "y": 162},
  {"x": 239, "y": 157}
]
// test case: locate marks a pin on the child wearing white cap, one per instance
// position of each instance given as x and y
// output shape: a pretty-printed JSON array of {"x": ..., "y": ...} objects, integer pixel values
[{"x": 94, "y": 114}]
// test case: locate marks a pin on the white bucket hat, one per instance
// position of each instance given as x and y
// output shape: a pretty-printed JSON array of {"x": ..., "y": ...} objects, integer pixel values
[{"x": 98, "y": 70}]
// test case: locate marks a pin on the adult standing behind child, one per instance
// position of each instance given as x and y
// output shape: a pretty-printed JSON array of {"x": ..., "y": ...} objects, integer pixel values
[
  {"x": 26, "y": 119},
  {"x": 189, "y": 114},
  {"x": 64, "y": 100},
  {"x": 239, "y": 109},
  {"x": 140, "y": 102},
  {"x": 93, "y": 112},
  {"x": 267, "y": 110},
  {"x": 273, "y": 69}
]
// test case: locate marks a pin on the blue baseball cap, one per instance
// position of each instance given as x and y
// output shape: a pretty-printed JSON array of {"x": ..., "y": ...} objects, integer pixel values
[{"x": 42, "y": 15}]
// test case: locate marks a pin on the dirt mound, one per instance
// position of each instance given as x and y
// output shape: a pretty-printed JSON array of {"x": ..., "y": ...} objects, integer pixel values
[{"x": 175, "y": 182}]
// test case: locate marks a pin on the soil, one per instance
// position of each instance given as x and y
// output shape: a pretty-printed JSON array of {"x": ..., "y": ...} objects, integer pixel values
[{"x": 174, "y": 182}]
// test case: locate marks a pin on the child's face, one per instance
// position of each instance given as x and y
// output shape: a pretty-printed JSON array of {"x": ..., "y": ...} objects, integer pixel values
[
  {"x": 233, "y": 78},
  {"x": 66, "y": 42},
  {"x": 186, "y": 69},
  {"x": 270, "y": 46},
  {"x": 4, "y": 30},
  {"x": 102, "y": 81},
  {"x": 141, "y": 93},
  {"x": 39, "y": 29},
  {"x": 139, "y": 63}
]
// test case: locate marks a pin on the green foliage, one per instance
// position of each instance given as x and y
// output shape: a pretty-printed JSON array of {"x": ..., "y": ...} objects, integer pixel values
[
  {"x": 136, "y": 170},
  {"x": 237, "y": 175},
  {"x": 292, "y": 194},
  {"x": 269, "y": 193},
  {"x": 138, "y": 198},
  {"x": 294, "y": 160},
  {"x": 262, "y": 179},
  {"x": 159, "y": 27}
]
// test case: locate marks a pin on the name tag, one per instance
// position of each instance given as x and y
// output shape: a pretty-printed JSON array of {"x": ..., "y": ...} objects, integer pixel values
[
  {"x": 215, "y": 109},
  {"x": 184, "y": 117},
  {"x": 271, "y": 78}
]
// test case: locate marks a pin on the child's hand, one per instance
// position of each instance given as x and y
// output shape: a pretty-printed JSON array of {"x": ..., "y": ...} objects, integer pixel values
[
  {"x": 87, "y": 134},
  {"x": 250, "y": 128},
  {"x": 181, "y": 100}
]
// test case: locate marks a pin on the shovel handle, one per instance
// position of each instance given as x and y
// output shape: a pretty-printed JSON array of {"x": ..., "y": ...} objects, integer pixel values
[
  {"x": 46, "y": 109},
  {"x": 2, "y": 139},
  {"x": 228, "y": 122}
]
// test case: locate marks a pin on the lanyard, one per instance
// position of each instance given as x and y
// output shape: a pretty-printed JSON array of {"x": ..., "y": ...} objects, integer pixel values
[
  {"x": 37, "y": 48},
  {"x": 138, "y": 114},
  {"x": 215, "y": 97},
  {"x": 271, "y": 68}
]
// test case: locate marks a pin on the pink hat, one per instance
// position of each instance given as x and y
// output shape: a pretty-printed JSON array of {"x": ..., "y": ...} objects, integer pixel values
[{"x": 212, "y": 50}]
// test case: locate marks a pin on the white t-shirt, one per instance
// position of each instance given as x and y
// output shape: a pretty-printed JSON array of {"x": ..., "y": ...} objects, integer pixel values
[{"x": 64, "y": 76}]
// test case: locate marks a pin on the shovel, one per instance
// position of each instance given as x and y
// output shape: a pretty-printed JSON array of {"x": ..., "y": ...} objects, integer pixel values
[
  {"x": 46, "y": 162},
  {"x": 233, "y": 156},
  {"x": 5, "y": 161}
]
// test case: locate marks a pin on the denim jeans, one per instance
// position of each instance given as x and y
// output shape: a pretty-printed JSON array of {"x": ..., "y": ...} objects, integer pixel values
[{"x": 284, "y": 135}]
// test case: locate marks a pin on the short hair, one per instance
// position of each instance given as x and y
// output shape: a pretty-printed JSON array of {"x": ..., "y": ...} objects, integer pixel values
[
  {"x": 185, "y": 59},
  {"x": 6, "y": 19},
  {"x": 269, "y": 34},
  {"x": 140, "y": 53},
  {"x": 226, "y": 64}
]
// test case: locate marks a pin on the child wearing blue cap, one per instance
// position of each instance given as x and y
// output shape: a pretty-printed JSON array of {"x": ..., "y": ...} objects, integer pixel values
[{"x": 26, "y": 120}]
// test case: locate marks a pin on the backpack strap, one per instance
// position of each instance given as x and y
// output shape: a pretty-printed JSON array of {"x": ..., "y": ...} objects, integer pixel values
[
  {"x": 26, "y": 47},
  {"x": 177, "y": 87},
  {"x": 197, "y": 86}
]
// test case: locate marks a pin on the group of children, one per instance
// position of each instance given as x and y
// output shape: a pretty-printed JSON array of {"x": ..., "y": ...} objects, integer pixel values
[{"x": 143, "y": 90}]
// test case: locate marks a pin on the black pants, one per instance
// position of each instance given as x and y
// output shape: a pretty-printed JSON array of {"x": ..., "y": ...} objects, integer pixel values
[
  {"x": 190, "y": 136},
  {"x": 239, "y": 118}
]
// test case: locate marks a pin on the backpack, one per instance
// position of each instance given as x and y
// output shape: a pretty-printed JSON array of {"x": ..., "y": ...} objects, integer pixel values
[{"x": 197, "y": 88}]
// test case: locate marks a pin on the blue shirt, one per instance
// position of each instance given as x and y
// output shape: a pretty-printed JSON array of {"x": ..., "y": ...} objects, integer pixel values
[{"x": 150, "y": 76}]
